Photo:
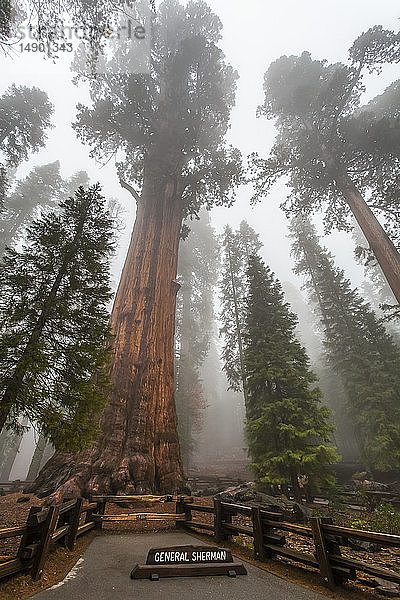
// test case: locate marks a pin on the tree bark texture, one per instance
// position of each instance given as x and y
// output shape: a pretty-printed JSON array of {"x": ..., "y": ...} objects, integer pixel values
[{"x": 138, "y": 450}]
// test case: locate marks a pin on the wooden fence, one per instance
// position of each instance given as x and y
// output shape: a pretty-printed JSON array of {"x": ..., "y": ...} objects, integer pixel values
[
  {"x": 267, "y": 530},
  {"x": 57, "y": 524},
  {"x": 62, "y": 524}
]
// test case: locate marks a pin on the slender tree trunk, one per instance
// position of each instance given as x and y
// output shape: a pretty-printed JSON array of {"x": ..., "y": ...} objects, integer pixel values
[
  {"x": 11, "y": 456},
  {"x": 295, "y": 486},
  {"x": 238, "y": 331},
  {"x": 183, "y": 380},
  {"x": 139, "y": 449},
  {"x": 37, "y": 458},
  {"x": 381, "y": 245}
]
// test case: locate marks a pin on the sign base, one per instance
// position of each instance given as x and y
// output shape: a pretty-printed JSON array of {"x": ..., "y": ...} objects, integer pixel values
[
  {"x": 188, "y": 561},
  {"x": 155, "y": 572}
]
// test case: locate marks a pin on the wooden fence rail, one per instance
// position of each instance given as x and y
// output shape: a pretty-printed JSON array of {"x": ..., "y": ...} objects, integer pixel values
[{"x": 267, "y": 530}]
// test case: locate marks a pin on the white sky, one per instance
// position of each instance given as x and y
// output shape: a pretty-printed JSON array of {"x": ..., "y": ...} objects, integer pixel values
[{"x": 256, "y": 32}]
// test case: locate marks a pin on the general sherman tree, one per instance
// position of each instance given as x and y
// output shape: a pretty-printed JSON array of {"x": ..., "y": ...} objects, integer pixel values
[
  {"x": 170, "y": 127},
  {"x": 335, "y": 153}
]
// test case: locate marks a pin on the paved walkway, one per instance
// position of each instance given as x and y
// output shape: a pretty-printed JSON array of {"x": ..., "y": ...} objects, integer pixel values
[{"x": 103, "y": 573}]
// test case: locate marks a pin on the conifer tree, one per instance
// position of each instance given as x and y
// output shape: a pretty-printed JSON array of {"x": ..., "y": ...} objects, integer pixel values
[
  {"x": 54, "y": 322},
  {"x": 358, "y": 348},
  {"x": 197, "y": 273},
  {"x": 24, "y": 117},
  {"x": 287, "y": 427},
  {"x": 43, "y": 188},
  {"x": 236, "y": 248},
  {"x": 168, "y": 128}
]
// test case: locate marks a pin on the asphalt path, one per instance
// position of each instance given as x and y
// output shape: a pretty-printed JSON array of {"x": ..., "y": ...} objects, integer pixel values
[{"x": 103, "y": 573}]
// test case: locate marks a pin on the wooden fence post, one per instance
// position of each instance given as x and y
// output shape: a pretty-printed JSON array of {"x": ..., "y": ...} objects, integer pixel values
[
  {"x": 322, "y": 553},
  {"x": 75, "y": 517},
  {"x": 218, "y": 532},
  {"x": 47, "y": 530},
  {"x": 258, "y": 531},
  {"x": 30, "y": 536},
  {"x": 183, "y": 507},
  {"x": 100, "y": 510}
]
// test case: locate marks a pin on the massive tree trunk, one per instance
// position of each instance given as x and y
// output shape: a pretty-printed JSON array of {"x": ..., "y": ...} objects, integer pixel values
[{"x": 138, "y": 450}]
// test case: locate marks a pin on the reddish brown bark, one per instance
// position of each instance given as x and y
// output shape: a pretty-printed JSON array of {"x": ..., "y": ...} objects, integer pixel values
[{"x": 139, "y": 449}]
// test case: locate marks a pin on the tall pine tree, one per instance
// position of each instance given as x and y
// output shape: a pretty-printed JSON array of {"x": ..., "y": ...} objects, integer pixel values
[
  {"x": 54, "y": 321},
  {"x": 287, "y": 427},
  {"x": 358, "y": 348},
  {"x": 236, "y": 249}
]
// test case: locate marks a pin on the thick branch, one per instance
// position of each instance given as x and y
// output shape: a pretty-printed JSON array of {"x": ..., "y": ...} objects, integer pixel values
[{"x": 130, "y": 189}]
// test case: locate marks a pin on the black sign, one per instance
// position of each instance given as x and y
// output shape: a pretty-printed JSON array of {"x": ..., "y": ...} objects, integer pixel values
[{"x": 178, "y": 555}]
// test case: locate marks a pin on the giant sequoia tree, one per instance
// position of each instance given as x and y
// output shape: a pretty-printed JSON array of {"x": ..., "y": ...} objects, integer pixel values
[
  {"x": 335, "y": 153},
  {"x": 168, "y": 128},
  {"x": 358, "y": 348}
]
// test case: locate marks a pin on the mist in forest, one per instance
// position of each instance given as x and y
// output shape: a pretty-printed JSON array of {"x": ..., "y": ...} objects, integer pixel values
[{"x": 212, "y": 411}]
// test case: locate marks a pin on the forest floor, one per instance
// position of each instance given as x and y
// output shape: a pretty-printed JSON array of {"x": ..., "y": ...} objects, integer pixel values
[{"x": 61, "y": 560}]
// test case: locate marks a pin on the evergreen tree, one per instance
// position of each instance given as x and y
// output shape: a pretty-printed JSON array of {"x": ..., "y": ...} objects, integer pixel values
[
  {"x": 197, "y": 272},
  {"x": 42, "y": 188},
  {"x": 311, "y": 337},
  {"x": 358, "y": 348},
  {"x": 54, "y": 322},
  {"x": 24, "y": 116},
  {"x": 168, "y": 127},
  {"x": 236, "y": 248},
  {"x": 288, "y": 430}
]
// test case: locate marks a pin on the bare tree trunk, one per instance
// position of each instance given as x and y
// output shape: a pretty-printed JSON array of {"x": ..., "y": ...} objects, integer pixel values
[
  {"x": 11, "y": 456},
  {"x": 139, "y": 449},
  {"x": 381, "y": 245},
  {"x": 37, "y": 458}
]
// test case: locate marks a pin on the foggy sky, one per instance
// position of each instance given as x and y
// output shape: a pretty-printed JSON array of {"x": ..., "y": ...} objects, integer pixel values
[{"x": 255, "y": 33}]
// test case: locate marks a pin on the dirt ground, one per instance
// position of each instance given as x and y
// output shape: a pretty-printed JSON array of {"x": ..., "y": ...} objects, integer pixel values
[{"x": 60, "y": 560}]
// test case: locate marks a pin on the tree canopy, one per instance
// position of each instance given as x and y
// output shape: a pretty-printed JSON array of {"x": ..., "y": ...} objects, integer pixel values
[
  {"x": 24, "y": 117},
  {"x": 337, "y": 155},
  {"x": 174, "y": 119}
]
